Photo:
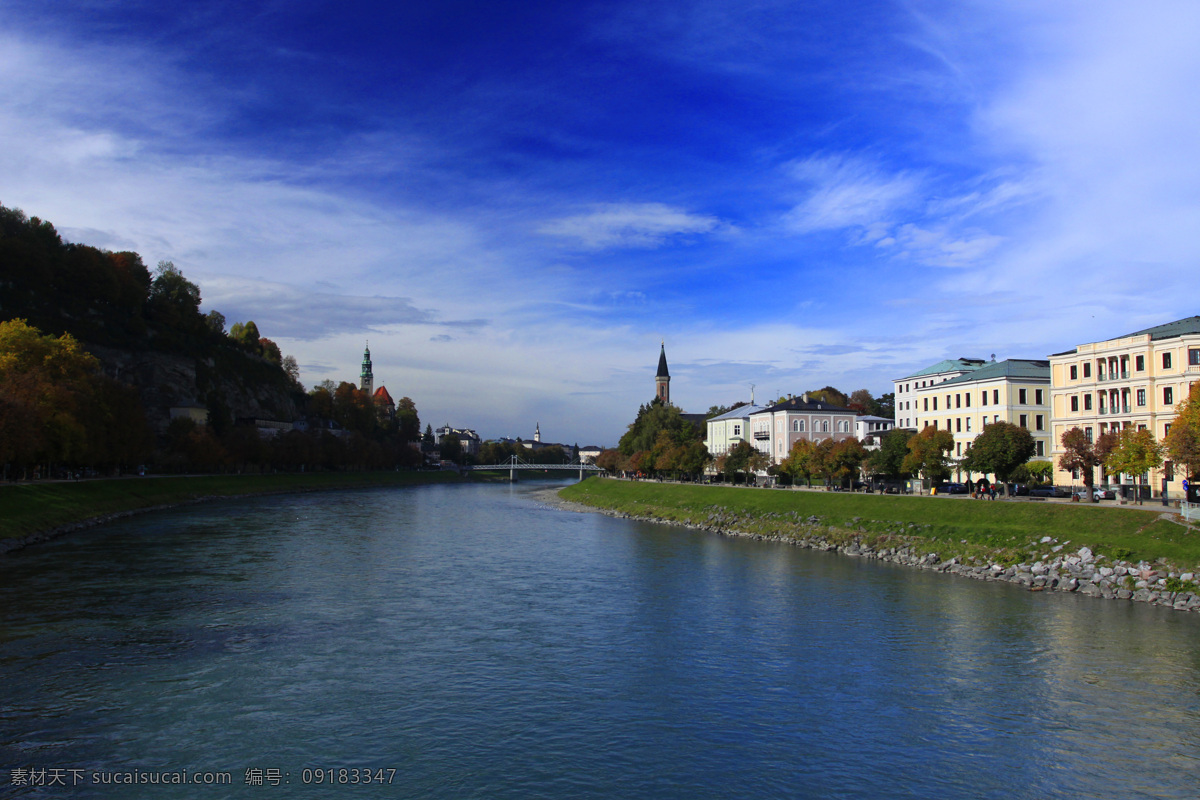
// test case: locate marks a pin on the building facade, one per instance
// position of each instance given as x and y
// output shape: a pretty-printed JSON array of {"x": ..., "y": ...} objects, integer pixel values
[
  {"x": 726, "y": 430},
  {"x": 1016, "y": 390},
  {"x": 908, "y": 411},
  {"x": 870, "y": 429},
  {"x": 776, "y": 428},
  {"x": 1132, "y": 381}
]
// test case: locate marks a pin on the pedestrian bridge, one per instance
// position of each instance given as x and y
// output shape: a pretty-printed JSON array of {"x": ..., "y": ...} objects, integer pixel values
[{"x": 514, "y": 464}]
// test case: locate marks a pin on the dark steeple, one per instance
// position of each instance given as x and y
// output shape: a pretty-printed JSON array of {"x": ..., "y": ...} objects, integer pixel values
[{"x": 662, "y": 381}]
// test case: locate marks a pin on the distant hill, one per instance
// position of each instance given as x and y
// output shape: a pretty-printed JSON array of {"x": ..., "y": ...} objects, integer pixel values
[{"x": 146, "y": 329}]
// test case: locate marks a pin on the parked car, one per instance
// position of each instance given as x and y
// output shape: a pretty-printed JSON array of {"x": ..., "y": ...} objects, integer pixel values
[
  {"x": 1049, "y": 491},
  {"x": 952, "y": 488}
]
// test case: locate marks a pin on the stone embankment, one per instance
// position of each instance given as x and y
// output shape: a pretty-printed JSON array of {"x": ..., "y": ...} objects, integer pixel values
[{"x": 1080, "y": 571}]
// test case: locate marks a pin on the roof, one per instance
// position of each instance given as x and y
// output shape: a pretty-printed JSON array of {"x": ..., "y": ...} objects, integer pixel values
[
  {"x": 741, "y": 412},
  {"x": 662, "y": 363},
  {"x": 800, "y": 404},
  {"x": 381, "y": 396},
  {"x": 1179, "y": 327},
  {"x": 1016, "y": 368},
  {"x": 873, "y": 418},
  {"x": 949, "y": 365}
]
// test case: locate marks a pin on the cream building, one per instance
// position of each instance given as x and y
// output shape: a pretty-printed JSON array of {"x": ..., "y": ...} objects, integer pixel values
[
  {"x": 1132, "y": 381},
  {"x": 777, "y": 428},
  {"x": 907, "y": 388},
  {"x": 1016, "y": 391}
]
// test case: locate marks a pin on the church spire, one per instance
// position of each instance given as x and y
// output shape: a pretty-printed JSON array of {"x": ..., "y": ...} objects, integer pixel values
[
  {"x": 367, "y": 383},
  {"x": 662, "y": 381}
]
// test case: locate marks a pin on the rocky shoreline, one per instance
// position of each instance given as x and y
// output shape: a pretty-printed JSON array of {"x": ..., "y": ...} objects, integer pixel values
[{"x": 1063, "y": 570}]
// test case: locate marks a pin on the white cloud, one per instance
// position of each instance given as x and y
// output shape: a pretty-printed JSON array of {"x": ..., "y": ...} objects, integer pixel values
[
  {"x": 847, "y": 192},
  {"x": 630, "y": 225}
]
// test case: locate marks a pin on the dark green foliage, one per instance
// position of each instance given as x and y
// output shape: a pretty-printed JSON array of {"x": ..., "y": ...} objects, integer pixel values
[
  {"x": 1000, "y": 449},
  {"x": 888, "y": 460}
]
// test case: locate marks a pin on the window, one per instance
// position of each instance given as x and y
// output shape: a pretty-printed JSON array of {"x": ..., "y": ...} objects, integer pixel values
[
  {"x": 983, "y": 397},
  {"x": 957, "y": 400},
  {"x": 1088, "y": 433},
  {"x": 959, "y": 450},
  {"x": 1166, "y": 360},
  {"x": 1021, "y": 396},
  {"x": 1141, "y": 397},
  {"x": 1074, "y": 372},
  {"x": 958, "y": 425},
  {"x": 800, "y": 426},
  {"x": 926, "y": 404},
  {"x": 967, "y": 397},
  {"x": 737, "y": 430},
  {"x": 1024, "y": 420},
  {"x": 995, "y": 418},
  {"x": 1087, "y": 369},
  {"x": 824, "y": 426},
  {"x": 1037, "y": 397},
  {"x": 1166, "y": 429},
  {"x": 1139, "y": 363},
  {"x": 1041, "y": 447},
  {"x": 1074, "y": 402},
  {"x": 1039, "y": 422},
  {"x": 996, "y": 397},
  {"x": 947, "y": 402},
  {"x": 935, "y": 404},
  {"x": 1194, "y": 356},
  {"x": 968, "y": 424},
  {"x": 795, "y": 426},
  {"x": 1168, "y": 396},
  {"x": 1087, "y": 402}
]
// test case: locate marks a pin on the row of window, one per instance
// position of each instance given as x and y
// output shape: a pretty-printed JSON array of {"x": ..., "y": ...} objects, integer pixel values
[
  {"x": 1139, "y": 365},
  {"x": 1168, "y": 395},
  {"x": 963, "y": 399},
  {"x": 955, "y": 424}
]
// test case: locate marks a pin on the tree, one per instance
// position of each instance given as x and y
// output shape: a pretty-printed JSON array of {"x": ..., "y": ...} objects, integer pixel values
[
  {"x": 1136, "y": 453},
  {"x": 653, "y": 418},
  {"x": 999, "y": 449},
  {"x": 292, "y": 369},
  {"x": 888, "y": 460},
  {"x": 928, "y": 453},
  {"x": 609, "y": 460},
  {"x": 215, "y": 321},
  {"x": 46, "y": 384},
  {"x": 828, "y": 396},
  {"x": 800, "y": 463},
  {"x": 742, "y": 457},
  {"x": 844, "y": 459},
  {"x": 1183, "y": 440},
  {"x": 862, "y": 402},
  {"x": 408, "y": 423},
  {"x": 246, "y": 334},
  {"x": 174, "y": 300},
  {"x": 885, "y": 405},
  {"x": 1079, "y": 453}
]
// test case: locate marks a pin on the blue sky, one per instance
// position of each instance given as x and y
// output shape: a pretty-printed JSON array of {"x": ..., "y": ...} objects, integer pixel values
[{"x": 516, "y": 202}]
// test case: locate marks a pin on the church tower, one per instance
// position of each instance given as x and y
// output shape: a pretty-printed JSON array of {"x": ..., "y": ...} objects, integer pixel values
[
  {"x": 537, "y": 432},
  {"x": 662, "y": 381},
  {"x": 368, "y": 378}
]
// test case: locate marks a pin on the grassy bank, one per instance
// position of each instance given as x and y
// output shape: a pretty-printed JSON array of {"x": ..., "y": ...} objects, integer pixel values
[
  {"x": 31, "y": 509},
  {"x": 1007, "y": 530}
]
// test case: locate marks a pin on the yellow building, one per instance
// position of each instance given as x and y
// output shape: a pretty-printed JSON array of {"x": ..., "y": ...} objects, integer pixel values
[
  {"x": 1016, "y": 391},
  {"x": 1132, "y": 381}
]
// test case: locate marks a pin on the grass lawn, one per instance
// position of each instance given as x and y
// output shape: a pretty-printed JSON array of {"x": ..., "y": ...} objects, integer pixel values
[
  {"x": 1012, "y": 529},
  {"x": 31, "y": 508}
]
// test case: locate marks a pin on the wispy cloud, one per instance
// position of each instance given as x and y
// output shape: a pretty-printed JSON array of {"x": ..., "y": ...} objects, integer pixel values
[
  {"x": 631, "y": 225},
  {"x": 847, "y": 192}
]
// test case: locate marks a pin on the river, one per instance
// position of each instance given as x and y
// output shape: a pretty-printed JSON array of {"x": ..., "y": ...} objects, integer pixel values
[{"x": 470, "y": 642}]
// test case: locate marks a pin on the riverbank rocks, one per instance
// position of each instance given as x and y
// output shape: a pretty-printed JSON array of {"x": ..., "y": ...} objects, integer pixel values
[{"x": 1073, "y": 572}]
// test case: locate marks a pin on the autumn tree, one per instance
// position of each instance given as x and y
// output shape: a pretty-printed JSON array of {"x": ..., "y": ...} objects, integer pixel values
[
  {"x": 1183, "y": 440},
  {"x": 929, "y": 454},
  {"x": 743, "y": 457},
  {"x": 800, "y": 463},
  {"x": 1079, "y": 453},
  {"x": 999, "y": 449},
  {"x": 1136, "y": 453},
  {"x": 46, "y": 383}
]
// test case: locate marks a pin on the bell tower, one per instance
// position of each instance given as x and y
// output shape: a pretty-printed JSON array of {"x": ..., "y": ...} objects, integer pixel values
[
  {"x": 367, "y": 383},
  {"x": 662, "y": 381}
]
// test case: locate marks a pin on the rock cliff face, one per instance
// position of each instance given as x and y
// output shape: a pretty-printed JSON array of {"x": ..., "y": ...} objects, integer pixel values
[{"x": 239, "y": 384}]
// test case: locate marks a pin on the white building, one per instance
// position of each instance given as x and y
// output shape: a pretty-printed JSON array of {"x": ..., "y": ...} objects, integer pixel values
[
  {"x": 870, "y": 429},
  {"x": 726, "y": 430},
  {"x": 907, "y": 388},
  {"x": 775, "y": 429}
]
